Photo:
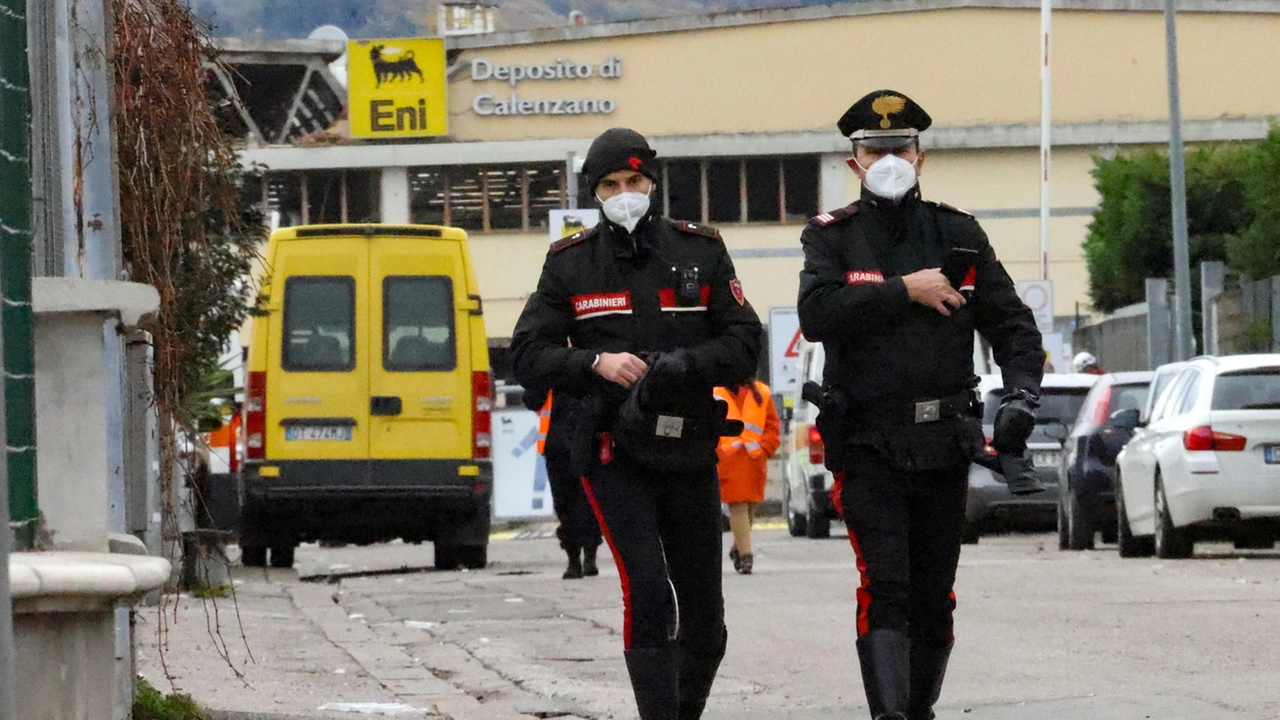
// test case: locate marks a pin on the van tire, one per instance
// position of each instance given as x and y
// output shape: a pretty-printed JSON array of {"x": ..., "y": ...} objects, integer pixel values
[
  {"x": 797, "y": 523},
  {"x": 474, "y": 557},
  {"x": 282, "y": 555},
  {"x": 253, "y": 555}
]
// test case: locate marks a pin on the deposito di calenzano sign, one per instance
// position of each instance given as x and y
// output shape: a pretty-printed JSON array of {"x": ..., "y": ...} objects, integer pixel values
[{"x": 397, "y": 88}]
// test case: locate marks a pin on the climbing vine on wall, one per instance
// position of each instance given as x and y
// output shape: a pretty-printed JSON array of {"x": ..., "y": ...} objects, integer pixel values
[{"x": 189, "y": 217}]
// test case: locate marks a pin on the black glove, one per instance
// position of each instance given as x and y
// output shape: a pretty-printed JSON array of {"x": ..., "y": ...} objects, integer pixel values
[
  {"x": 1019, "y": 473},
  {"x": 666, "y": 381},
  {"x": 1014, "y": 422}
]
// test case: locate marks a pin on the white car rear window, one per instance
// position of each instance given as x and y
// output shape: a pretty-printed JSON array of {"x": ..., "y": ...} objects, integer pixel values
[{"x": 1248, "y": 390}]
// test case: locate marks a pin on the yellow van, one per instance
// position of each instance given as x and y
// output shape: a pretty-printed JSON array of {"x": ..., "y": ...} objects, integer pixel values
[{"x": 367, "y": 395}]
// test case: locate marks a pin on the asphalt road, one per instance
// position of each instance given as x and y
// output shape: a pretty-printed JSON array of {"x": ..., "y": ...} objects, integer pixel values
[{"x": 1041, "y": 634}]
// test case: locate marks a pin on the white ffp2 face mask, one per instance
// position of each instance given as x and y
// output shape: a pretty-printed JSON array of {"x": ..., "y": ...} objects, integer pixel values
[
  {"x": 626, "y": 208},
  {"x": 890, "y": 177}
]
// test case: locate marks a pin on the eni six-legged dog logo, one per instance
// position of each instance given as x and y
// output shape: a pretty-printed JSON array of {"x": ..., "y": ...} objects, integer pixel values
[
  {"x": 397, "y": 88},
  {"x": 393, "y": 64}
]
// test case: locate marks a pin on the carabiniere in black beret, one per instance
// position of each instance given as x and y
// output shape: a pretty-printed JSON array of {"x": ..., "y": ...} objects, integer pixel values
[{"x": 884, "y": 119}]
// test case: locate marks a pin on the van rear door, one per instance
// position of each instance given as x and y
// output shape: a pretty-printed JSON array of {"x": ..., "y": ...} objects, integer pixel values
[
  {"x": 317, "y": 394},
  {"x": 420, "y": 378}
]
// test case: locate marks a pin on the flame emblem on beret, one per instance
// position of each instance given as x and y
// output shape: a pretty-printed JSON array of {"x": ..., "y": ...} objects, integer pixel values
[
  {"x": 635, "y": 163},
  {"x": 887, "y": 105}
]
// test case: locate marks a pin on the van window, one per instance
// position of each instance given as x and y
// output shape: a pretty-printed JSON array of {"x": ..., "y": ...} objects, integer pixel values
[
  {"x": 417, "y": 317},
  {"x": 319, "y": 322}
]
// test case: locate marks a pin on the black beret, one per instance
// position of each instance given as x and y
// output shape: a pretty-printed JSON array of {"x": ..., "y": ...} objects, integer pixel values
[
  {"x": 884, "y": 119},
  {"x": 619, "y": 149}
]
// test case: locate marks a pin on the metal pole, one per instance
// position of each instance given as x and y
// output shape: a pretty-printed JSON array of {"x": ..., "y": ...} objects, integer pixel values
[
  {"x": 1183, "y": 342},
  {"x": 571, "y": 179},
  {"x": 8, "y": 654},
  {"x": 15, "y": 269},
  {"x": 1046, "y": 123}
]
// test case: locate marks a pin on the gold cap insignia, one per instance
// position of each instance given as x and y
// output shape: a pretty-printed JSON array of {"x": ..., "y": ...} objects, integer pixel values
[{"x": 886, "y": 105}]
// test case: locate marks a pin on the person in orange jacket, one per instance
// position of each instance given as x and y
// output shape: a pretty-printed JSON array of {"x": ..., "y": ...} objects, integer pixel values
[{"x": 744, "y": 462}]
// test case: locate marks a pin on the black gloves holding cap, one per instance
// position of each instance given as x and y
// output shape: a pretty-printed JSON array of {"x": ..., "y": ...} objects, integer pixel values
[
  {"x": 1014, "y": 422},
  {"x": 666, "y": 382}
]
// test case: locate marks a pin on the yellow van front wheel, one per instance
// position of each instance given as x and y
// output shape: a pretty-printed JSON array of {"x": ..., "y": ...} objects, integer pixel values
[{"x": 452, "y": 557}]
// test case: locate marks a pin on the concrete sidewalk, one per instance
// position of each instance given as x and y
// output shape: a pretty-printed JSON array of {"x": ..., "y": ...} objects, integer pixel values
[{"x": 289, "y": 649}]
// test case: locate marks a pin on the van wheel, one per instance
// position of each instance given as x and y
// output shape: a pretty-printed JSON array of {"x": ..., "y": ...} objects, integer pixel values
[
  {"x": 1171, "y": 543},
  {"x": 1252, "y": 540},
  {"x": 253, "y": 555},
  {"x": 447, "y": 557},
  {"x": 282, "y": 556},
  {"x": 473, "y": 557},
  {"x": 817, "y": 525},
  {"x": 797, "y": 523}
]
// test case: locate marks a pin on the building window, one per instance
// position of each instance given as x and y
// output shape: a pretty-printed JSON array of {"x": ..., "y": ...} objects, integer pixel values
[
  {"x": 323, "y": 197},
  {"x": 490, "y": 198},
  {"x": 741, "y": 190}
]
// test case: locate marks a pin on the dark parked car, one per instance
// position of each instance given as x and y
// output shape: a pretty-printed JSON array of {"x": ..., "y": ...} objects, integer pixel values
[
  {"x": 990, "y": 504},
  {"x": 1086, "y": 504}
]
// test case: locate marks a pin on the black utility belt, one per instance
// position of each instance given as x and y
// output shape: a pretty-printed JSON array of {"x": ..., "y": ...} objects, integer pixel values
[{"x": 917, "y": 411}]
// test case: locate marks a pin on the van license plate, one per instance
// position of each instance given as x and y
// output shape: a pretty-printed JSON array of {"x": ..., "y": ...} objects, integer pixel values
[
  {"x": 317, "y": 432},
  {"x": 1270, "y": 454}
]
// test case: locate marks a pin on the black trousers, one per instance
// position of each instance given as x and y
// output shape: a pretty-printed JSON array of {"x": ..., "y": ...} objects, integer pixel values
[
  {"x": 578, "y": 527},
  {"x": 664, "y": 531},
  {"x": 905, "y": 529}
]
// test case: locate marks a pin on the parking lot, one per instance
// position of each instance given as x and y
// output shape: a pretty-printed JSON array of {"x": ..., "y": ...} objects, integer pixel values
[{"x": 1041, "y": 633}]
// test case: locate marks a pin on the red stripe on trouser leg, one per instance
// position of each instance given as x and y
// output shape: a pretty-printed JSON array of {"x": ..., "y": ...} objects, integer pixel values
[
  {"x": 617, "y": 559},
  {"x": 834, "y": 494},
  {"x": 864, "y": 591}
]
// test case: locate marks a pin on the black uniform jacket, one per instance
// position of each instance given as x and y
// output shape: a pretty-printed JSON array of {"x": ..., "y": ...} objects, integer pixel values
[
  {"x": 605, "y": 290},
  {"x": 882, "y": 346}
]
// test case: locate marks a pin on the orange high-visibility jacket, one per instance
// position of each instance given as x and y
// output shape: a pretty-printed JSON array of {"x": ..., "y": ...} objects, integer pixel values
[
  {"x": 544, "y": 424},
  {"x": 743, "y": 459}
]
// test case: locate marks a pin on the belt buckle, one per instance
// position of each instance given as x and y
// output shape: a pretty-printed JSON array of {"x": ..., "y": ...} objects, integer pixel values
[
  {"x": 669, "y": 427},
  {"x": 928, "y": 411}
]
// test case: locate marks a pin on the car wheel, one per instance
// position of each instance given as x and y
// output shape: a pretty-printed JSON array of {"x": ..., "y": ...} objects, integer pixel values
[
  {"x": 970, "y": 533},
  {"x": 1171, "y": 543},
  {"x": 1249, "y": 540},
  {"x": 817, "y": 525},
  {"x": 1064, "y": 526},
  {"x": 253, "y": 555},
  {"x": 797, "y": 523},
  {"x": 1130, "y": 545},
  {"x": 282, "y": 555},
  {"x": 1080, "y": 525}
]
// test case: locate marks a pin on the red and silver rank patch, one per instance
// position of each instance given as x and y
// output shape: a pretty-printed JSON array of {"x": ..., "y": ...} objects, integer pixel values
[
  {"x": 598, "y": 304},
  {"x": 735, "y": 286},
  {"x": 863, "y": 277}
]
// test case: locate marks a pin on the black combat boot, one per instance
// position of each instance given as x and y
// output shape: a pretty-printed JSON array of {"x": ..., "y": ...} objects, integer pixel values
[
  {"x": 574, "y": 571},
  {"x": 655, "y": 679},
  {"x": 589, "y": 567},
  {"x": 885, "y": 658},
  {"x": 697, "y": 674},
  {"x": 928, "y": 667}
]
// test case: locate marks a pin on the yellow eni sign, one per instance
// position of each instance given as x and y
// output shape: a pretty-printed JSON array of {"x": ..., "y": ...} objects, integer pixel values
[{"x": 397, "y": 88}]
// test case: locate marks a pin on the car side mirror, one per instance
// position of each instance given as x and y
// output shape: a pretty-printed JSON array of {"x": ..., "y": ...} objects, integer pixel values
[
  {"x": 1056, "y": 430},
  {"x": 1128, "y": 419}
]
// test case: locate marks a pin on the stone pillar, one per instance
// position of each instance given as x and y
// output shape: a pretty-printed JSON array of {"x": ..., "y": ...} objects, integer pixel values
[{"x": 395, "y": 196}]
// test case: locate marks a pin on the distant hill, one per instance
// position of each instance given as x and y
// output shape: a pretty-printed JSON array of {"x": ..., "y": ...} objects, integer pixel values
[{"x": 407, "y": 18}]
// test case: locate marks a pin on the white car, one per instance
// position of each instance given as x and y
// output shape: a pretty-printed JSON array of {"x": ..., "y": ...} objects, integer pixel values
[
  {"x": 1205, "y": 465},
  {"x": 806, "y": 482}
]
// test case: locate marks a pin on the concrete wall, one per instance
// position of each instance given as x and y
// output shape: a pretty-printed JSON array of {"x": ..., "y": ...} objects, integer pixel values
[
  {"x": 71, "y": 434},
  {"x": 65, "y": 669}
]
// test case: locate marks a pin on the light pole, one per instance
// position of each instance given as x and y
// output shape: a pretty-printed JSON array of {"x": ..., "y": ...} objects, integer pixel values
[
  {"x": 1184, "y": 343},
  {"x": 1046, "y": 123}
]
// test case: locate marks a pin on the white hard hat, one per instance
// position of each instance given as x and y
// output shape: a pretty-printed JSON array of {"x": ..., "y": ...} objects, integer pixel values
[{"x": 1083, "y": 360}]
